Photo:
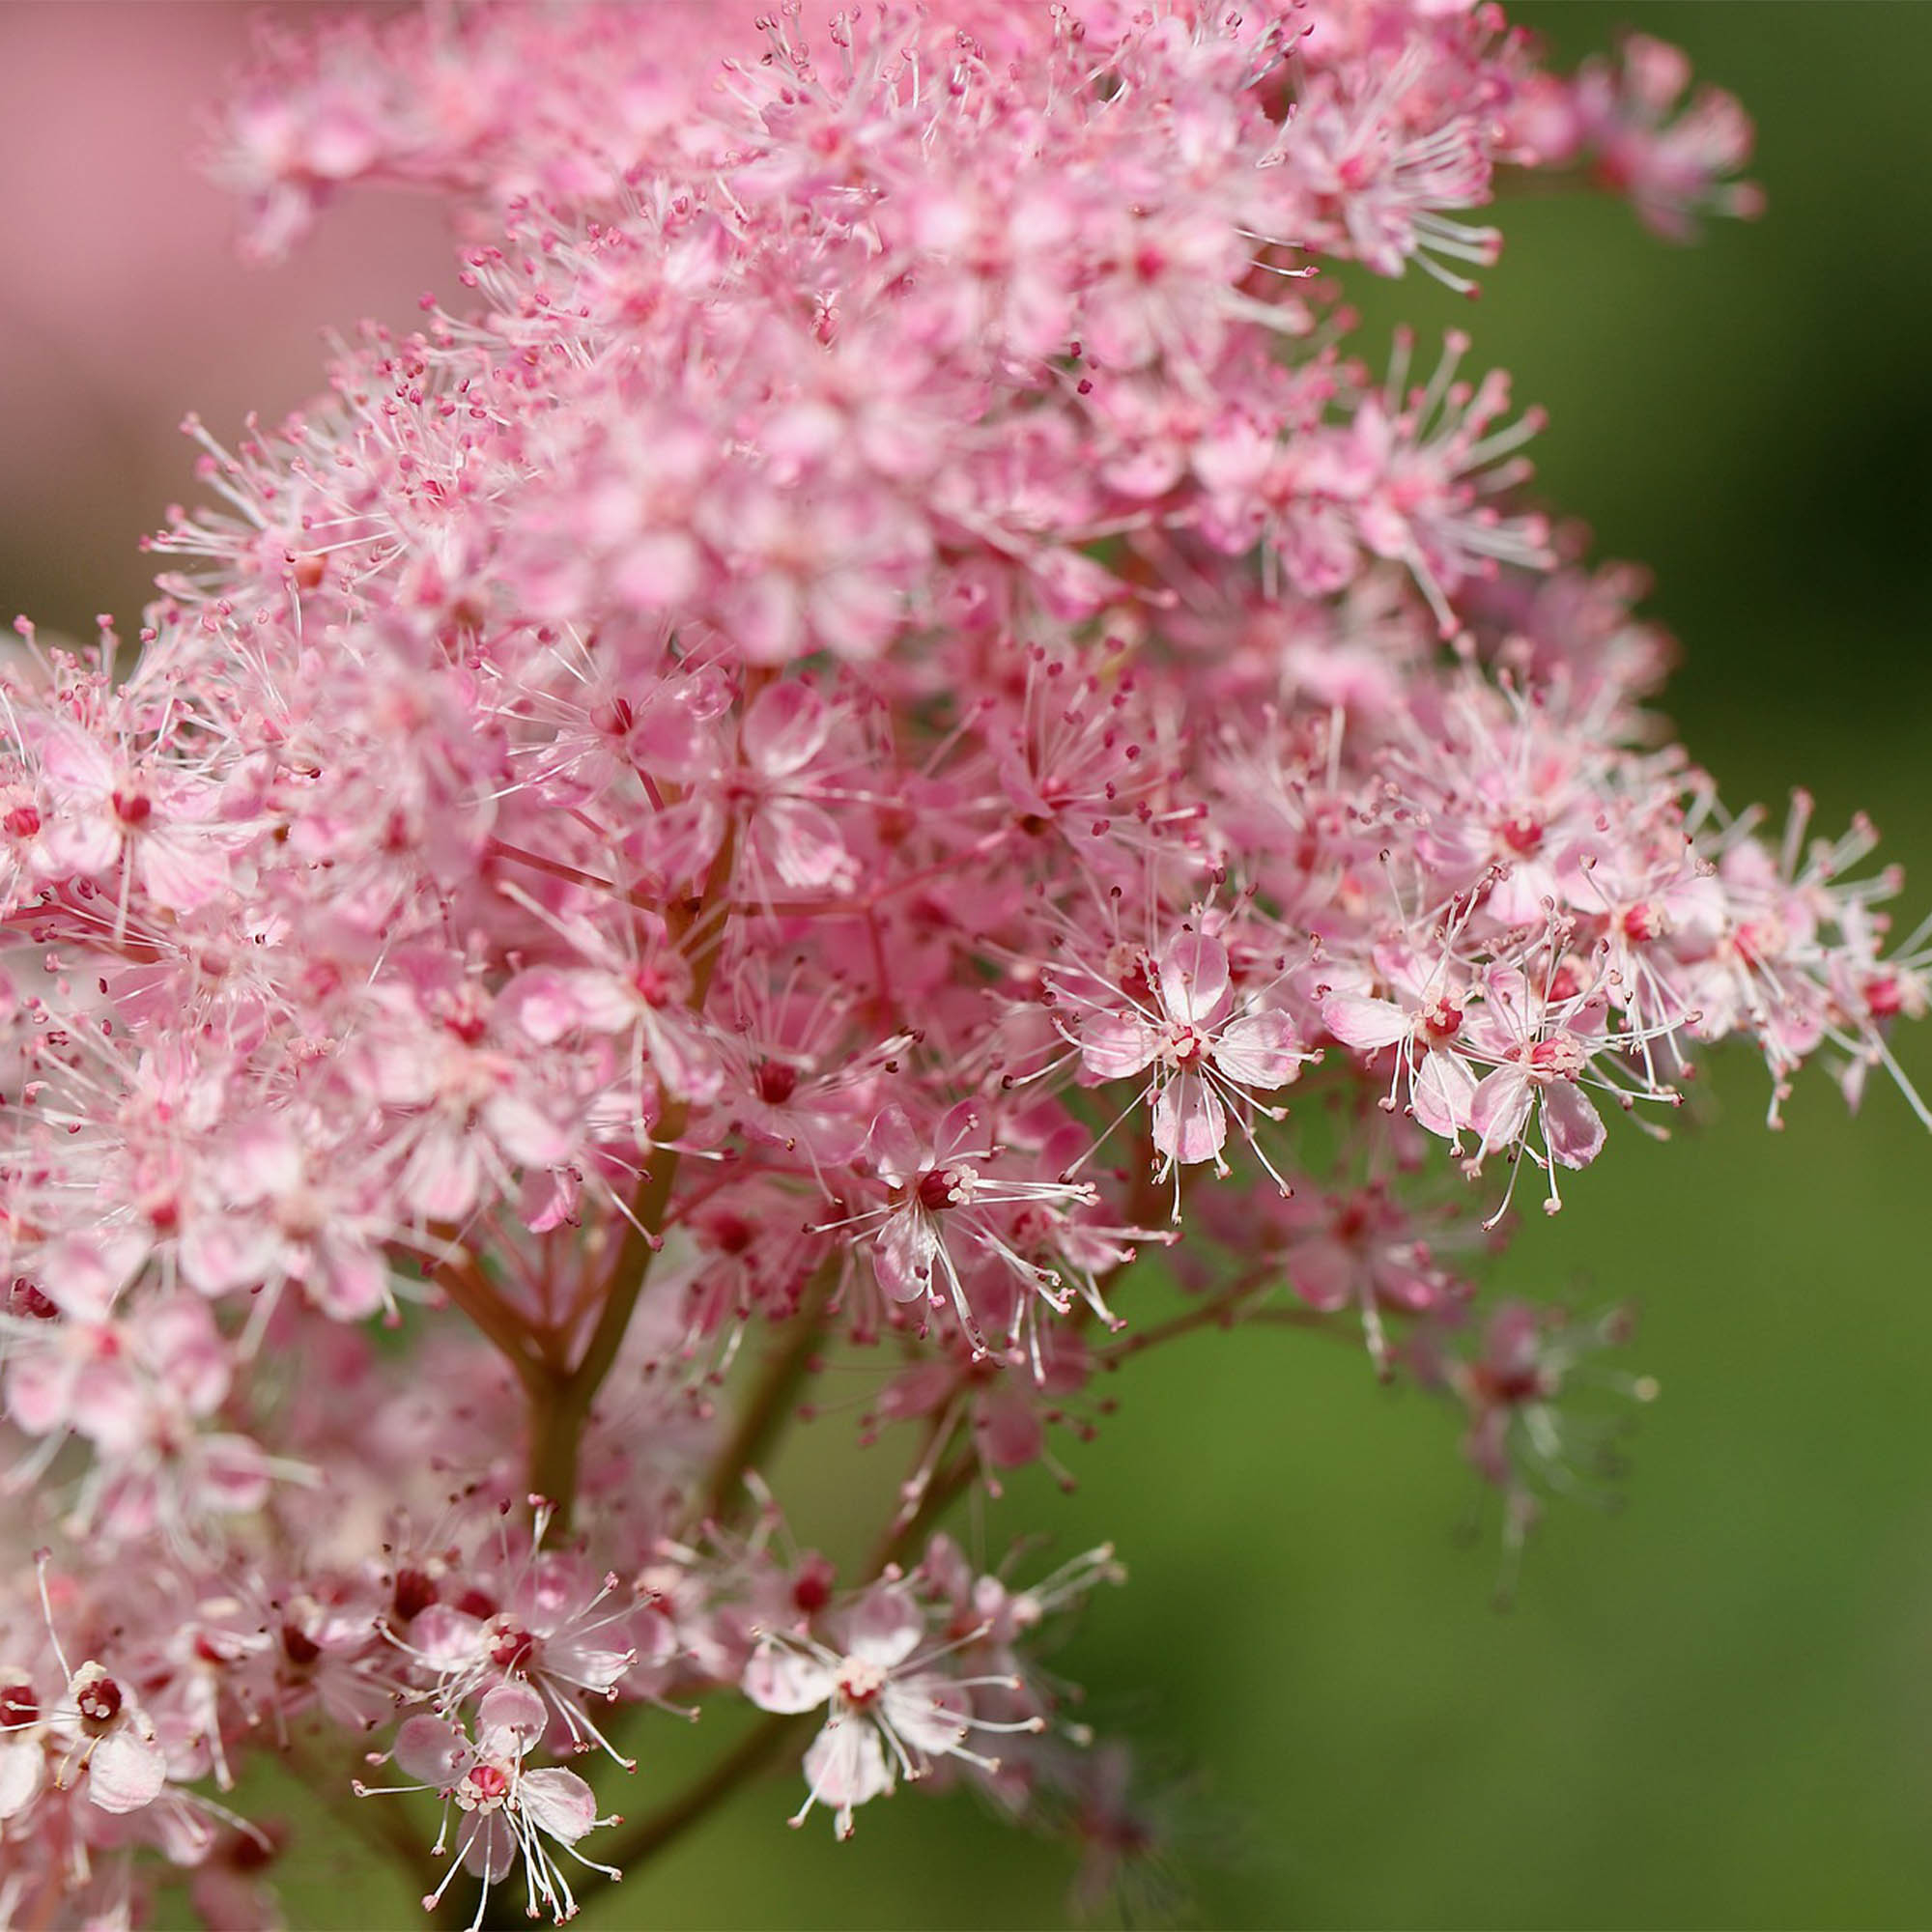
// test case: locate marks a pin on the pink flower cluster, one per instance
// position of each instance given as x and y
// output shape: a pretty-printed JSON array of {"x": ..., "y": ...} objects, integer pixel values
[{"x": 805, "y": 783}]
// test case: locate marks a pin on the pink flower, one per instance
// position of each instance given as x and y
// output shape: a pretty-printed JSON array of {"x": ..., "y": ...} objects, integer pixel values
[
  {"x": 713, "y": 823},
  {"x": 504, "y": 1809},
  {"x": 1204, "y": 1049},
  {"x": 949, "y": 1208},
  {"x": 888, "y": 1713}
]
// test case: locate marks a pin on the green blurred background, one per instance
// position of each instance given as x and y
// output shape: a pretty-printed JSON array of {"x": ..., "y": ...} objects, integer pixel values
[{"x": 1714, "y": 1707}]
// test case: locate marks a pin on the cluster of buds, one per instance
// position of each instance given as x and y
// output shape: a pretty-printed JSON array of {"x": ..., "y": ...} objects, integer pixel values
[{"x": 887, "y": 759}]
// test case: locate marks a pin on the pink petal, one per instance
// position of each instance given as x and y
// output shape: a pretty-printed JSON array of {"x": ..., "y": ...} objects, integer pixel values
[
  {"x": 857, "y": 613},
  {"x": 785, "y": 1681},
  {"x": 1259, "y": 1051},
  {"x": 1367, "y": 1025},
  {"x": 1323, "y": 1275},
  {"x": 184, "y": 1347},
  {"x": 125, "y": 1773},
  {"x": 1193, "y": 978},
  {"x": 261, "y": 1159},
  {"x": 39, "y": 1391},
  {"x": 801, "y": 844},
  {"x": 897, "y": 1149},
  {"x": 660, "y": 567},
  {"x": 510, "y": 1719},
  {"x": 918, "y": 1391},
  {"x": 559, "y": 1801},
  {"x": 763, "y": 616},
  {"x": 222, "y": 1252},
  {"x": 1010, "y": 1434},
  {"x": 1115, "y": 1045},
  {"x": 177, "y": 873},
  {"x": 928, "y": 1712},
  {"x": 903, "y": 1254},
  {"x": 444, "y": 1177},
  {"x": 351, "y": 1281},
  {"x": 603, "y": 1002},
  {"x": 1445, "y": 1090},
  {"x": 1572, "y": 1127},
  {"x": 432, "y": 1751},
  {"x": 110, "y": 1407},
  {"x": 21, "y": 1763},
  {"x": 845, "y": 1764},
  {"x": 525, "y": 1132},
  {"x": 445, "y": 1639},
  {"x": 233, "y": 1473},
  {"x": 1189, "y": 1122},
  {"x": 683, "y": 1063},
  {"x": 87, "y": 844},
  {"x": 784, "y": 730},
  {"x": 1499, "y": 1109},
  {"x": 487, "y": 1846},
  {"x": 884, "y": 1628},
  {"x": 84, "y": 1274},
  {"x": 545, "y": 1004},
  {"x": 73, "y": 762}
]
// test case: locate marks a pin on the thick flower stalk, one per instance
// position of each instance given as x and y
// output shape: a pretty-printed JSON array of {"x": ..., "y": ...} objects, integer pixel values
[{"x": 887, "y": 754}]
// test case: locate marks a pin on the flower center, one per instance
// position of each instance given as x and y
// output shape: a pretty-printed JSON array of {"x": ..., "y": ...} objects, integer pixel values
[
  {"x": 1522, "y": 835},
  {"x": 483, "y": 1787},
  {"x": 859, "y": 1680},
  {"x": 1560, "y": 1057},
  {"x": 776, "y": 1082},
  {"x": 948, "y": 1186},
  {"x": 18, "y": 1706},
  {"x": 510, "y": 1644},
  {"x": 95, "y": 1696},
  {"x": 1186, "y": 1047}
]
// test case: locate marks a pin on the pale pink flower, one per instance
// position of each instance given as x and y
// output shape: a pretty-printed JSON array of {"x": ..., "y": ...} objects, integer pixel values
[
  {"x": 705, "y": 831},
  {"x": 889, "y": 1714},
  {"x": 504, "y": 1809},
  {"x": 1204, "y": 1048}
]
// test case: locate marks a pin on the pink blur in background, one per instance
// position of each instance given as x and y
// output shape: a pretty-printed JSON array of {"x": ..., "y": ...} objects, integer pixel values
[{"x": 122, "y": 304}]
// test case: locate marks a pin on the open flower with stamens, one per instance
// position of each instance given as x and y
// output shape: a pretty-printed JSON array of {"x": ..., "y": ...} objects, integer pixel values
[
  {"x": 555, "y": 1627},
  {"x": 1544, "y": 1048},
  {"x": 1204, "y": 1050},
  {"x": 1423, "y": 1022},
  {"x": 759, "y": 785},
  {"x": 946, "y": 1208},
  {"x": 889, "y": 1714},
  {"x": 504, "y": 1809}
]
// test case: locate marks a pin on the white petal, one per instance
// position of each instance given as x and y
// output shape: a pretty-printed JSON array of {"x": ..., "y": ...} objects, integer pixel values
[
  {"x": 1259, "y": 1051},
  {"x": 928, "y": 1712},
  {"x": 785, "y": 1681},
  {"x": 126, "y": 1772},
  {"x": 559, "y": 1801},
  {"x": 1367, "y": 1025},
  {"x": 21, "y": 1763},
  {"x": 884, "y": 1628},
  {"x": 845, "y": 1764},
  {"x": 432, "y": 1751},
  {"x": 1189, "y": 1122},
  {"x": 510, "y": 1719}
]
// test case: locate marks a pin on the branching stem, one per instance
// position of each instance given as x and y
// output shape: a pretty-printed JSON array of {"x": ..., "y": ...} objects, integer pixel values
[{"x": 561, "y": 1403}]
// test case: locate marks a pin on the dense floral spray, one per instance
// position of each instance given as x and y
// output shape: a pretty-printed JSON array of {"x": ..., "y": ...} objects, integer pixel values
[{"x": 888, "y": 759}]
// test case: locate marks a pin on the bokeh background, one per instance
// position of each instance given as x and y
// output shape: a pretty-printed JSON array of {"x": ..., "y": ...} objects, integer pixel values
[{"x": 1711, "y": 1708}]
